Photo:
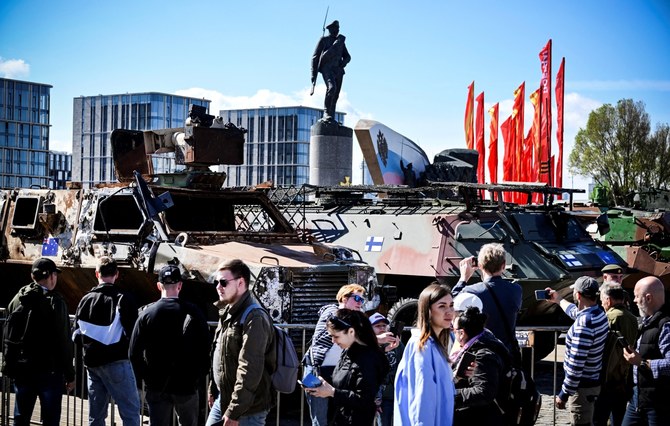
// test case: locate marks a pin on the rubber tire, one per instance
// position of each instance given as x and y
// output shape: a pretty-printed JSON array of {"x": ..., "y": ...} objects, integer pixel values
[{"x": 404, "y": 310}]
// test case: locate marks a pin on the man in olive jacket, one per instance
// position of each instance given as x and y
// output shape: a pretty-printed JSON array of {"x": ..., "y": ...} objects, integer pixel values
[{"x": 244, "y": 353}]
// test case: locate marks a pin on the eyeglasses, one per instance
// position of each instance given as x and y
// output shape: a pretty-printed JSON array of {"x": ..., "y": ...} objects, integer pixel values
[
  {"x": 357, "y": 298},
  {"x": 224, "y": 283},
  {"x": 339, "y": 323}
]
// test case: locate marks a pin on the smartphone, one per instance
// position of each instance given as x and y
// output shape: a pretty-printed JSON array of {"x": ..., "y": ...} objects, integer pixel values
[
  {"x": 541, "y": 295},
  {"x": 397, "y": 328},
  {"x": 467, "y": 359},
  {"x": 621, "y": 341},
  {"x": 474, "y": 261},
  {"x": 310, "y": 381}
]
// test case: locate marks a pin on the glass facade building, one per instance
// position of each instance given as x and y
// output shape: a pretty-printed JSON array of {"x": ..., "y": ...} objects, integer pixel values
[
  {"x": 94, "y": 118},
  {"x": 60, "y": 169},
  {"x": 277, "y": 144},
  {"x": 24, "y": 133}
]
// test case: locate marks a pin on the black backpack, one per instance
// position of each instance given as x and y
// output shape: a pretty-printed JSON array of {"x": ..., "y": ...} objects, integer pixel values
[
  {"x": 26, "y": 334},
  {"x": 518, "y": 398}
]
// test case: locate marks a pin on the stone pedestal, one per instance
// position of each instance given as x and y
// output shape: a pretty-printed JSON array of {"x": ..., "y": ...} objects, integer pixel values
[{"x": 330, "y": 153}]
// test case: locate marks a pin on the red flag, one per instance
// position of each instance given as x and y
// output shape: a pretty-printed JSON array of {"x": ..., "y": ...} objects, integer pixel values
[
  {"x": 517, "y": 113},
  {"x": 469, "y": 110},
  {"x": 479, "y": 127},
  {"x": 545, "y": 84},
  {"x": 493, "y": 144},
  {"x": 508, "y": 157},
  {"x": 535, "y": 129},
  {"x": 560, "y": 88}
]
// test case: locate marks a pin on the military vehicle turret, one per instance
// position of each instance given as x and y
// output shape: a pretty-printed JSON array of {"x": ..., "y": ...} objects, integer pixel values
[{"x": 149, "y": 220}]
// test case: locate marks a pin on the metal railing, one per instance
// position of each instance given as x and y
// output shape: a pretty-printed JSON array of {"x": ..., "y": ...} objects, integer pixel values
[{"x": 74, "y": 408}]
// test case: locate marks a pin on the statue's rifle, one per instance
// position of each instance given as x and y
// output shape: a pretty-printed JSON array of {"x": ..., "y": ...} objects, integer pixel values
[{"x": 323, "y": 33}]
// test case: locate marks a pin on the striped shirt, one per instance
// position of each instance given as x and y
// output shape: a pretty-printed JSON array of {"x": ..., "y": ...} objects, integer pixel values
[
  {"x": 321, "y": 340},
  {"x": 584, "y": 347}
]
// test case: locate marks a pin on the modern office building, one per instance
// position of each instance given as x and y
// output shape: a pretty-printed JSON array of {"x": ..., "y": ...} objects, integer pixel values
[
  {"x": 24, "y": 133},
  {"x": 277, "y": 144},
  {"x": 60, "y": 169},
  {"x": 94, "y": 118}
]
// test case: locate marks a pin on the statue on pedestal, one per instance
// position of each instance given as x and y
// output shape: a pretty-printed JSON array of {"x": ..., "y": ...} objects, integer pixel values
[{"x": 329, "y": 58}]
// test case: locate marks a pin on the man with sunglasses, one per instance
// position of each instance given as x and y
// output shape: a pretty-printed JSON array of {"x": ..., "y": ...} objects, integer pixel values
[{"x": 240, "y": 392}]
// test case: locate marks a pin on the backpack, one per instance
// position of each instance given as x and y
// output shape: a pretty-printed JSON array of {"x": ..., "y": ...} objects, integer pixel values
[
  {"x": 25, "y": 336},
  {"x": 285, "y": 376},
  {"x": 518, "y": 398}
]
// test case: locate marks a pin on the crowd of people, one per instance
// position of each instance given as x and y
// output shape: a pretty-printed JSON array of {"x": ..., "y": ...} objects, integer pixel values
[{"x": 450, "y": 372}]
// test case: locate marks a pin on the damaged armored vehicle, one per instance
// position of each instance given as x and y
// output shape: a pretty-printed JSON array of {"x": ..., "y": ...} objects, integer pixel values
[{"x": 149, "y": 220}]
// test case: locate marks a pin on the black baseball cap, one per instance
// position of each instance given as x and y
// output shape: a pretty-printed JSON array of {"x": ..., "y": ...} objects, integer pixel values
[
  {"x": 169, "y": 274},
  {"x": 43, "y": 267}
]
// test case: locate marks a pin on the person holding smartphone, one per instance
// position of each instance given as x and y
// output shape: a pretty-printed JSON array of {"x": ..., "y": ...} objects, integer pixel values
[
  {"x": 359, "y": 372},
  {"x": 475, "y": 395}
]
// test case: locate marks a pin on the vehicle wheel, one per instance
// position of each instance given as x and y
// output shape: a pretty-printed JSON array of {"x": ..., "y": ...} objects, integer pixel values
[{"x": 404, "y": 310}]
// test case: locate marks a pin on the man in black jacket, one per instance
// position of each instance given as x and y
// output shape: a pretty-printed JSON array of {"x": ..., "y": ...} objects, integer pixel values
[
  {"x": 169, "y": 350},
  {"x": 48, "y": 362},
  {"x": 650, "y": 358},
  {"x": 104, "y": 322}
]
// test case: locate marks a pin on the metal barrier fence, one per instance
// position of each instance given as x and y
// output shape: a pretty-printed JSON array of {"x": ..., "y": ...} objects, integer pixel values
[{"x": 75, "y": 408}]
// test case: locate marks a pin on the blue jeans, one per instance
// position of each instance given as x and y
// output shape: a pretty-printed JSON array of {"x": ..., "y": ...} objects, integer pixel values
[
  {"x": 49, "y": 388},
  {"x": 645, "y": 416},
  {"x": 318, "y": 410},
  {"x": 216, "y": 415},
  {"x": 115, "y": 380},
  {"x": 163, "y": 405}
]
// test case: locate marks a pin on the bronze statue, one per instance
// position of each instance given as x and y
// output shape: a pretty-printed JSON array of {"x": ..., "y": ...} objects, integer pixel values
[{"x": 330, "y": 57}]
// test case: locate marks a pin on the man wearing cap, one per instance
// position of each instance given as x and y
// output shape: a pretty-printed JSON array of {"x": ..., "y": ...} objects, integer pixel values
[
  {"x": 244, "y": 352},
  {"x": 584, "y": 347},
  {"x": 169, "y": 350},
  {"x": 612, "y": 274},
  {"x": 329, "y": 58},
  {"x": 650, "y": 358},
  {"x": 103, "y": 325},
  {"x": 615, "y": 390},
  {"x": 52, "y": 370},
  {"x": 393, "y": 354}
]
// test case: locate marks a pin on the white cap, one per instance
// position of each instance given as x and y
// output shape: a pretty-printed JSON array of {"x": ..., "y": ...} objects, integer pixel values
[{"x": 464, "y": 300}]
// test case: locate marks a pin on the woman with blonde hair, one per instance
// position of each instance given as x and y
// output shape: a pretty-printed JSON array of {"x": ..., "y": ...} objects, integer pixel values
[{"x": 424, "y": 387}]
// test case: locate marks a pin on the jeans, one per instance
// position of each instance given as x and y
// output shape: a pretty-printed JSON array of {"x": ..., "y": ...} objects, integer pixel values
[
  {"x": 49, "y": 388},
  {"x": 318, "y": 407},
  {"x": 645, "y": 416},
  {"x": 115, "y": 380},
  {"x": 163, "y": 405},
  {"x": 387, "y": 412},
  {"x": 216, "y": 416}
]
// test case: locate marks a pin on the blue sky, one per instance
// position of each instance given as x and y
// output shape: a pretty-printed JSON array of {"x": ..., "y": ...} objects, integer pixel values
[{"x": 411, "y": 62}]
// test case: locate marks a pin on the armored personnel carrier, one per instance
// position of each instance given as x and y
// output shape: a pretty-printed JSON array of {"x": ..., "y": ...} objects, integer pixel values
[
  {"x": 415, "y": 235},
  {"x": 641, "y": 235},
  {"x": 149, "y": 220}
]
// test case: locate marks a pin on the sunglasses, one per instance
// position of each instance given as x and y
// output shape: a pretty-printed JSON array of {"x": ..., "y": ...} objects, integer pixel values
[
  {"x": 224, "y": 283},
  {"x": 357, "y": 298},
  {"x": 339, "y": 323}
]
